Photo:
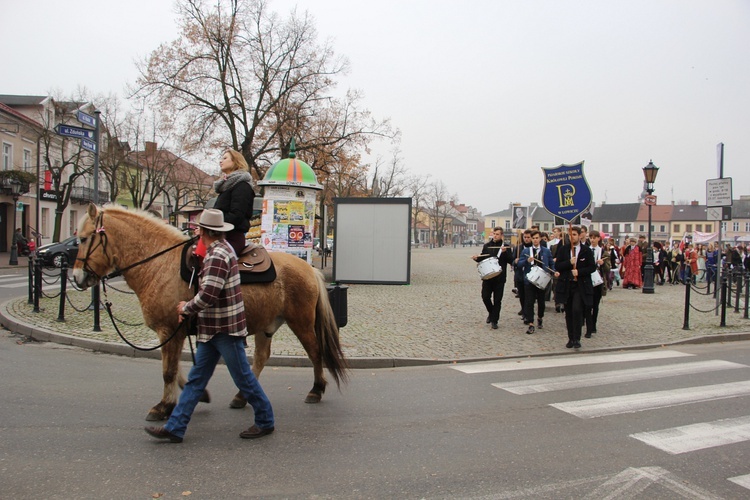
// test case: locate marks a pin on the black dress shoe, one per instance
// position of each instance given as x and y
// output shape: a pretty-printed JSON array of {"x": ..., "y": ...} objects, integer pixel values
[
  {"x": 494, "y": 326},
  {"x": 576, "y": 345},
  {"x": 530, "y": 330},
  {"x": 162, "y": 433},
  {"x": 569, "y": 345},
  {"x": 255, "y": 432},
  {"x": 588, "y": 335},
  {"x": 557, "y": 308},
  {"x": 540, "y": 324},
  {"x": 520, "y": 313},
  {"x": 488, "y": 319}
]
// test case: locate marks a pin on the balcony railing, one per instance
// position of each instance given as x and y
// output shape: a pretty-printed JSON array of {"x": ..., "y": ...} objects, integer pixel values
[{"x": 85, "y": 195}]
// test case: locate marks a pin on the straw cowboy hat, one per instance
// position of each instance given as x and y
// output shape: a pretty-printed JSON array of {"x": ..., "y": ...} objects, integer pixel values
[{"x": 214, "y": 219}]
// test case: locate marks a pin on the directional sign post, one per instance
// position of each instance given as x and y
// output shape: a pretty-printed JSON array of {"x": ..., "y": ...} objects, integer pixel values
[
  {"x": 88, "y": 145},
  {"x": 86, "y": 119},
  {"x": 75, "y": 132}
]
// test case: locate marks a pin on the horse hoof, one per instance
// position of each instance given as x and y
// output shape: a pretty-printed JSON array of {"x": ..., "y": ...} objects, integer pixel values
[
  {"x": 313, "y": 398},
  {"x": 237, "y": 403},
  {"x": 154, "y": 416}
]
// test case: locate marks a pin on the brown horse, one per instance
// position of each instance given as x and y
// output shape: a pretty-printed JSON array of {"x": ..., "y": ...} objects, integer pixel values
[{"x": 113, "y": 238}]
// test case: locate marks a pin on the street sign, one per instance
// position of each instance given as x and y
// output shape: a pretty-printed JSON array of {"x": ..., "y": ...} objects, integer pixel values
[
  {"x": 719, "y": 192},
  {"x": 76, "y": 132},
  {"x": 88, "y": 145},
  {"x": 86, "y": 119},
  {"x": 650, "y": 199},
  {"x": 713, "y": 213}
]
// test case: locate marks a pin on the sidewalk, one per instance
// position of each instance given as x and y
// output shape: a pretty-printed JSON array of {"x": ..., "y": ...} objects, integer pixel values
[{"x": 438, "y": 318}]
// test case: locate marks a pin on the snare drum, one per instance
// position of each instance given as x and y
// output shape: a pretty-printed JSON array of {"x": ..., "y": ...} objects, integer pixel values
[
  {"x": 539, "y": 277},
  {"x": 489, "y": 268}
]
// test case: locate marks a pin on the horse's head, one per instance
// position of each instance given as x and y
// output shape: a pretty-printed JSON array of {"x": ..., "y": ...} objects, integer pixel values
[{"x": 92, "y": 261}]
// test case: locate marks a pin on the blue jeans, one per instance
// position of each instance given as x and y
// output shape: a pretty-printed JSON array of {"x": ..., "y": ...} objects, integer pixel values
[{"x": 206, "y": 357}]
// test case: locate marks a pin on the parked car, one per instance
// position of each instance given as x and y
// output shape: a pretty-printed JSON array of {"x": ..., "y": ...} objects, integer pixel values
[{"x": 52, "y": 254}]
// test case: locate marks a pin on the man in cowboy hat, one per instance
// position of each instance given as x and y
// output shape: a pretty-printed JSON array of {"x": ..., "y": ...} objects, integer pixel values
[{"x": 221, "y": 332}]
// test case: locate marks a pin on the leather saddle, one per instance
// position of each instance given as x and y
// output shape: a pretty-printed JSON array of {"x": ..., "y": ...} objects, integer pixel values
[{"x": 254, "y": 263}]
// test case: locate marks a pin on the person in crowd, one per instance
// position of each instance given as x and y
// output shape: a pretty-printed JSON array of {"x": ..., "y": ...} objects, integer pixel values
[
  {"x": 615, "y": 261},
  {"x": 554, "y": 239},
  {"x": 679, "y": 265},
  {"x": 643, "y": 246},
  {"x": 700, "y": 251},
  {"x": 562, "y": 239},
  {"x": 531, "y": 258},
  {"x": 712, "y": 255},
  {"x": 585, "y": 236},
  {"x": 631, "y": 265},
  {"x": 660, "y": 260},
  {"x": 691, "y": 264},
  {"x": 222, "y": 329},
  {"x": 573, "y": 267},
  {"x": 235, "y": 197},
  {"x": 518, "y": 273},
  {"x": 492, "y": 288},
  {"x": 601, "y": 257}
]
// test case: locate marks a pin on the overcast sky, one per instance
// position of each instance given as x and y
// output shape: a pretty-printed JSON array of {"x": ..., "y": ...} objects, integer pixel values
[{"x": 485, "y": 93}]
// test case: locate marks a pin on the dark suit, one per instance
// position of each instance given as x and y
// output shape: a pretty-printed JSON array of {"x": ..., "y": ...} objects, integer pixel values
[
  {"x": 575, "y": 294},
  {"x": 495, "y": 286}
]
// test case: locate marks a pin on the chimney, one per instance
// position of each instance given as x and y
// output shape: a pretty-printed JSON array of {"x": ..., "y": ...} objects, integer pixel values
[
  {"x": 151, "y": 149},
  {"x": 694, "y": 203}
]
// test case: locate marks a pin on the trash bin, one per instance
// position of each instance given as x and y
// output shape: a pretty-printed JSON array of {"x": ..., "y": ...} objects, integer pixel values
[{"x": 337, "y": 298}]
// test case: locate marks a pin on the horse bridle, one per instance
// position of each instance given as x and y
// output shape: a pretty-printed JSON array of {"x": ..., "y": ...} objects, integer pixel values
[{"x": 99, "y": 229}]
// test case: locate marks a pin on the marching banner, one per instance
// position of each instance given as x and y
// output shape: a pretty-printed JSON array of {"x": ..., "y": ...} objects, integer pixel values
[{"x": 566, "y": 192}]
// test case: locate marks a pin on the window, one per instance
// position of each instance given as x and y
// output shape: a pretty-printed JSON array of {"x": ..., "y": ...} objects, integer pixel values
[
  {"x": 662, "y": 228},
  {"x": 45, "y": 220},
  {"x": 724, "y": 226},
  {"x": 688, "y": 228},
  {"x": 708, "y": 228},
  {"x": 616, "y": 228},
  {"x": 546, "y": 226},
  {"x": 27, "y": 160},
  {"x": 735, "y": 226},
  {"x": 699, "y": 227},
  {"x": 7, "y": 156},
  {"x": 73, "y": 222},
  {"x": 641, "y": 228},
  {"x": 507, "y": 225},
  {"x": 628, "y": 228},
  {"x": 605, "y": 228},
  {"x": 747, "y": 227},
  {"x": 676, "y": 228}
]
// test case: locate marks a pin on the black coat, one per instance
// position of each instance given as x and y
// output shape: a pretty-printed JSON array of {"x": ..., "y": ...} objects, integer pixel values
[
  {"x": 237, "y": 206},
  {"x": 585, "y": 265}
]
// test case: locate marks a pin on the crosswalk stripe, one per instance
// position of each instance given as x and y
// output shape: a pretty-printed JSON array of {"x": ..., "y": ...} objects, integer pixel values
[
  {"x": 614, "y": 377},
  {"x": 14, "y": 277},
  {"x": 743, "y": 481},
  {"x": 555, "y": 362},
  {"x": 698, "y": 436},
  {"x": 15, "y": 285},
  {"x": 631, "y": 403}
]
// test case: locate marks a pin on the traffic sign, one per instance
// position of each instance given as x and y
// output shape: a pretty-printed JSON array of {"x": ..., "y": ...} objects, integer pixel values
[
  {"x": 76, "y": 132},
  {"x": 719, "y": 192},
  {"x": 86, "y": 119},
  {"x": 713, "y": 213},
  {"x": 650, "y": 199},
  {"x": 89, "y": 145}
]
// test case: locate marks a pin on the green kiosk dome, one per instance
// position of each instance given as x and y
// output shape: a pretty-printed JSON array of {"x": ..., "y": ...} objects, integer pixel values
[{"x": 291, "y": 172}]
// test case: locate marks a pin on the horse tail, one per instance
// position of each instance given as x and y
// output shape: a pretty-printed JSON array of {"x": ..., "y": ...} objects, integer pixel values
[{"x": 327, "y": 334}]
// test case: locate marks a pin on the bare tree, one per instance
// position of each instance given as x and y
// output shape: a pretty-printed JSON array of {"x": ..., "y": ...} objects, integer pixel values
[
  {"x": 417, "y": 187},
  {"x": 388, "y": 178},
  {"x": 240, "y": 75},
  {"x": 440, "y": 209},
  {"x": 64, "y": 158}
]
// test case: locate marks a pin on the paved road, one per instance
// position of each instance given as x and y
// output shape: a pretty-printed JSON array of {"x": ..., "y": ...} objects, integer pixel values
[
  {"x": 648, "y": 424},
  {"x": 439, "y": 317}
]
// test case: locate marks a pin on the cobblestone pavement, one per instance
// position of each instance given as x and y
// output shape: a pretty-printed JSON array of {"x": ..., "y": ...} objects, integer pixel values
[{"x": 439, "y": 317}]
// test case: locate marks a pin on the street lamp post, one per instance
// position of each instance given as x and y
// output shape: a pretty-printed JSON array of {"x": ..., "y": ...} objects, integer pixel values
[
  {"x": 15, "y": 188},
  {"x": 649, "y": 172}
]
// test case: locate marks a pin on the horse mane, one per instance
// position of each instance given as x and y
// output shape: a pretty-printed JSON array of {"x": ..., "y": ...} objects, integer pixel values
[{"x": 146, "y": 221}]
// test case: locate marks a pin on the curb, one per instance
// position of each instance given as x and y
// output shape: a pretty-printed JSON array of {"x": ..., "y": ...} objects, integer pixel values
[{"x": 45, "y": 335}]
